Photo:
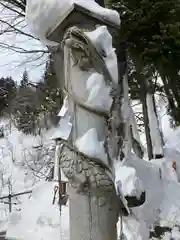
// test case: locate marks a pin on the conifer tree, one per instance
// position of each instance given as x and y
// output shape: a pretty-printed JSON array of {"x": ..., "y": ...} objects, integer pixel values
[
  {"x": 25, "y": 79},
  {"x": 152, "y": 32}
]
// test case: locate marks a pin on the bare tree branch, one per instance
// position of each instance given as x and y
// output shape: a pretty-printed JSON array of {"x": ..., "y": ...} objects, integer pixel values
[
  {"x": 6, "y": 6},
  {"x": 20, "y": 4},
  {"x": 13, "y": 22},
  {"x": 15, "y": 29},
  {"x": 22, "y": 50}
]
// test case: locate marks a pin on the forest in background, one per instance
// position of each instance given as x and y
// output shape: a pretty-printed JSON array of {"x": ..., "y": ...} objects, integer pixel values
[{"x": 31, "y": 106}]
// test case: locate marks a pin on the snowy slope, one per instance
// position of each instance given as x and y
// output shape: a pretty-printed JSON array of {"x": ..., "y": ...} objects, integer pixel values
[
  {"x": 39, "y": 219},
  {"x": 19, "y": 157}
]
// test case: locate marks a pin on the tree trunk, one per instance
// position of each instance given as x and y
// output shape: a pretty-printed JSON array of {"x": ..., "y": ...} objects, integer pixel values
[
  {"x": 160, "y": 129},
  {"x": 143, "y": 92},
  {"x": 90, "y": 220},
  {"x": 147, "y": 130},
  {"x": 171, "y": 101}
]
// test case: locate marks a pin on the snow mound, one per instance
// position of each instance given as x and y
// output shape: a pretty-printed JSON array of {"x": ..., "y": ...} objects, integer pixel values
[
  {"x": 173, "y": 141},
  {"x": 170, "y": 208},
  {"x": 43, "y": 16},
  {"x": 134, "y": 229},
  {"x": 172, "y": 151},
  {"x": 162, "y": 206},
  {"x": 167, "y": 168},
  {"x": 150, "y": 177}
]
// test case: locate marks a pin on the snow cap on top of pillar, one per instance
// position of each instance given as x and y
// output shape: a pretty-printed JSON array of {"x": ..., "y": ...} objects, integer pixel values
[
  {"x": 80, "y": 14},
  {"x": 48, "y": 20}
]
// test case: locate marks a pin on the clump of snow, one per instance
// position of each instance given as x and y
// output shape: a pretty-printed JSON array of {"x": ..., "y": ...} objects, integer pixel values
[
  {"x": 102, "y": 41},
  {"x": 43, "y": 16},
  {"x": 90, "y": 145},
  {"x": 63, "y": 130},
  {"x": 98, "y": 93},
  {"x": 131, "y": 185},
  {"x": 111, "y": 63}
]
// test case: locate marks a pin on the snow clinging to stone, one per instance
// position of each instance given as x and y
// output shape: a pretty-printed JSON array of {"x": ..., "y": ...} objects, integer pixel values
[
  {"x": 91, "y": 146},
  {"x": 98, "y": 93},
  {"x": 131, "y": 185},
  {"x": 43, "y": 16}
]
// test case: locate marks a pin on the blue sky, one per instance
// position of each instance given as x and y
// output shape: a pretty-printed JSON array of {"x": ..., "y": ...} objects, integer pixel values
[{"x": 13, "y": 63}]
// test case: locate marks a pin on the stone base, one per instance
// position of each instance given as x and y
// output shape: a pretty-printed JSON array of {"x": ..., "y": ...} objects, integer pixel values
[{"x": 92, "y": 217}]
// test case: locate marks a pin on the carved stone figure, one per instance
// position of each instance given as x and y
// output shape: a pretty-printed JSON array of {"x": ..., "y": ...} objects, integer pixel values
[
  {"x": 88, "y": 149},
  {"x": 83, "y": 159}
]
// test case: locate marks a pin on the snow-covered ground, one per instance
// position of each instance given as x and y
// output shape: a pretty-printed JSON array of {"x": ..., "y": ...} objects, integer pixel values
[
  {"x": 24, "y": 161},
  {"x": 40, "y": 219}
]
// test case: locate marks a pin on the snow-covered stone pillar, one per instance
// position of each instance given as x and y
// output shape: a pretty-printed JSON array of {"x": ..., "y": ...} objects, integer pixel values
[
  {"x": 82, "y": 30},
  {"x": 92, "y": 197},
  {"x": 90, "y": 66}
]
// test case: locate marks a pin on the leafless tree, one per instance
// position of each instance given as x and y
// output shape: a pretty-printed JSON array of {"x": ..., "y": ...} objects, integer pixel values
[{"x": 12, "y": 23}]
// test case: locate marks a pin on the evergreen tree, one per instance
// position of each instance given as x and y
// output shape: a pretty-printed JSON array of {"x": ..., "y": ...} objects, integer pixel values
[
  {"x": 25, "y": 109},
  {"x": 49, "y": 91},
  {"x": 152, "y": 32},
  {"x": 34, "y": 105},
  {"x": 25, "y": 79},
  {"x": 7, "y": 92}
]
